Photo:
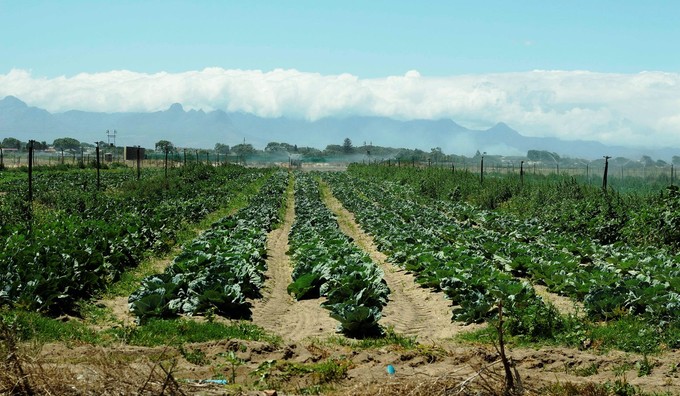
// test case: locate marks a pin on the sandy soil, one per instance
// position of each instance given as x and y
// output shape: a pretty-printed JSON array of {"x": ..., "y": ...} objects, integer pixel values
[
  {"x": 411, "y": 310},
  {"x": 277, "y": 311},
  {"x": 564, "y": 305},
  {"x": 438, "y": 365},
  {"x": 424, "y": 370}
]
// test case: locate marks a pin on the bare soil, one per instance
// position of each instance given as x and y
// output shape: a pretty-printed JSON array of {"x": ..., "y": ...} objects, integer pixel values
[
  {"x": 564, "y": 305},
  {"x": 444, "y": 368},
  {"x": 277, "y": 311},
  {"x": 438, "y": 365},
  {"x": 411, "y": 310}
]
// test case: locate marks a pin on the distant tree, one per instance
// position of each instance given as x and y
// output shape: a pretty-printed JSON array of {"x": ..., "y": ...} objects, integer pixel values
[
  {"x": 347, "y": 147},
  {"x": 661, "y": 163},
  {"x": 243, "y": 150},
  {"x": 66, "y": 143},
  {"x": 164, "y": 145},
  {"x": 437, "y": 155},
  {"x": 273, "y": 147},
  {"x": 308, "y": 151},
  {"x": 222, "y": 148},
  {"x": 676, "y": 160},
  {"x": 333, "y": 149},
  {"x": 647, "y": 160},
  {"x": 419, "y": 155},
  {"x": 11, "y": 142},
  {"x": 40, "y": 145}
]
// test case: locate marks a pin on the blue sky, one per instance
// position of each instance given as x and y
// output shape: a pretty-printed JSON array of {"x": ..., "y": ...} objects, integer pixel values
[
  {"x": 365, "y": 38},
  {"x": 596, "y": 70}
]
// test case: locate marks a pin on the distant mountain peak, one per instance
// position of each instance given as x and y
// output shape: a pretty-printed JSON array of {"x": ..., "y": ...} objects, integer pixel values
[
  {"x": 500, "y": 127},
  {"x": 12, "y": 101},
  {"x": 503, "y": 129},
  {"x": 176, "y": 108}
]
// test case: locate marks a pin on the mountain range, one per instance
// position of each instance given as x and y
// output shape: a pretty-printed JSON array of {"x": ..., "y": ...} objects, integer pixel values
[{"x": 199, "y": 129}]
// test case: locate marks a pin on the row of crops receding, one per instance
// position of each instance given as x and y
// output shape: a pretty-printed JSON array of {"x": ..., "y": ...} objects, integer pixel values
[
  {"x": 73, "y": 240},
  {"x": 327, "y": 263},
  {"x": 472, "y": 253},
  {"x": 641, "y": 216},
  {"x": 219, "y": 269}
]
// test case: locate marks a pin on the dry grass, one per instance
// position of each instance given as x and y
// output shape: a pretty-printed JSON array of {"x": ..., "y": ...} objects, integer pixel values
[
  {"x": 487, "y": 379},
  {"x": 100, "y": 373}
]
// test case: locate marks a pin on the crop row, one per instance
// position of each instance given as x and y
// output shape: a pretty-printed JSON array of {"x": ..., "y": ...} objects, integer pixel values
[
  {"x": 68, "y": 247},
  {"x": 327, "y": 263},
  {"x": 421, "y": 240},
  {"x": 221, "y": 268},
  {"x": 610, "y": 280}
]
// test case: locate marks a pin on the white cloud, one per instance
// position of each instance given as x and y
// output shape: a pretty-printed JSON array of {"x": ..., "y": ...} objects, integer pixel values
[{"x": 627, "y": 109}]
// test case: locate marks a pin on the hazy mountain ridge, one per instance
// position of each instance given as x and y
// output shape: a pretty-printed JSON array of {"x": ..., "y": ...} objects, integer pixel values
[{"x": 196, "y": 128}]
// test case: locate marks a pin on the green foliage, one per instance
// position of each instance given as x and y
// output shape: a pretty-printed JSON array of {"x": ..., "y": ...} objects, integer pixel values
[
  {"x": 327, "y": 263},
  {"x": 305, "y": 286},
  {"x": 74, "y": 241},
  {"x": 66, "y": 144},
  {"x": 164, "y": 146},
  {"x": 474, "y": 255},
  {"x": 217, "y": 271},
  {"x": 182, "y": 331}
]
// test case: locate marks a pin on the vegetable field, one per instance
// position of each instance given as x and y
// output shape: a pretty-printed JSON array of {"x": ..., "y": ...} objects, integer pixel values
[{"x": 486, "y": 247}]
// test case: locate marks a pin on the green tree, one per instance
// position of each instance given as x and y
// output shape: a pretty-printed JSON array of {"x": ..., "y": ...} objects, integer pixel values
[
  {"x": 164, "y": 145},
  {"x": 11, "y": 142},
  {"x": 437, "y": 155},
  {"x": 347, "y": 147},
  {"x": 647, "y": 160},
  {"x": 66, "y": 143},
  {"x": 222, "y": 148},
  {"x": 274, "y": 147},
  {"x": 243, "y": 150},
  {"x": 40, "y": 145},
  {"x": 333, "y": 149}
]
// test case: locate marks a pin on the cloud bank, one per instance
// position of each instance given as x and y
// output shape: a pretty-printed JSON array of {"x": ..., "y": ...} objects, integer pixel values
[{"x": 636, "y": 110}]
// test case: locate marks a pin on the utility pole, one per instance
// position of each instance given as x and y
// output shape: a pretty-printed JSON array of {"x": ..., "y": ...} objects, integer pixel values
[
  {"x": 98, "y": 179},
  {"x": 30, "y": 171},
  {"x": 481, "y": 173},
  {"x": 139, "y": 161},
  {"x": 606, "y": 169}
]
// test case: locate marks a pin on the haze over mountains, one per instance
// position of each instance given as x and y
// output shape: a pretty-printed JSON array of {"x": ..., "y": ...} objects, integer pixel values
[{"x": 199, "y": 129}]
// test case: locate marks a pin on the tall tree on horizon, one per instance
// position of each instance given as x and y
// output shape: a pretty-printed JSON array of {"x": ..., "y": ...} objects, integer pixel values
[{"x": 347, "y": 147}]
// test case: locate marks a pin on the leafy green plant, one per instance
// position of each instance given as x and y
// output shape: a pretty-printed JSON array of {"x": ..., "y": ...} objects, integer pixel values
[{"x": 329, "y": 264}]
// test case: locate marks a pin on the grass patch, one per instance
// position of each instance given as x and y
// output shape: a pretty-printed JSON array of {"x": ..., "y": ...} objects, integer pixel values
[
  {"x": 390, "y": 338},
  {"x": 310, "y": 378},
  {"x": 34, "y": 326},
  {"x": 181, "y": 331},
  {"x": 628, "y": 334},
  {"x": 94, "y": 313},
  {"x": 31, "y": 326}
]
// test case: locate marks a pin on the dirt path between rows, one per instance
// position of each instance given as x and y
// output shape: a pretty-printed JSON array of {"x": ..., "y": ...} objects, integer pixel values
[
  {"x": 277, "y": 311},
  {"x": 564, "y": 305},
  {"x": 411, "y": 310}
]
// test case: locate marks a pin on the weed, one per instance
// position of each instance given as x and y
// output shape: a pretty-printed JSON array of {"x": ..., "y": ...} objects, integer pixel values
[
  {"x": 234, "y": 362},
  {"x": 644, "y": 367},
  {"x": 193, "y": 356},
  {"x": 587, "y": 371},
  {"x": 621, "y": 369}
]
